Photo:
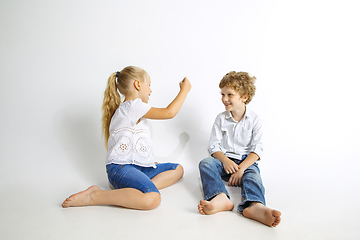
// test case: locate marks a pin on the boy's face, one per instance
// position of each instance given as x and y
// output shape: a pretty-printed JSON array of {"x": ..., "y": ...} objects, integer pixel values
[{"x": 232, "y": 99}]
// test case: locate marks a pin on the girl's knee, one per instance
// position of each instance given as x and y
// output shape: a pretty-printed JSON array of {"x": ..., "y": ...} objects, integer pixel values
[
  {"x": 180, "y": 170},
  {"x": 151, "y": 200}
]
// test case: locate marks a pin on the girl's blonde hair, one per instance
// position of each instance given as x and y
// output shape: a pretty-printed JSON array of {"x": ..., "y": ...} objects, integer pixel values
[
  {"x": 118, "y": 82},
  {"x": 241, "y": 82}
]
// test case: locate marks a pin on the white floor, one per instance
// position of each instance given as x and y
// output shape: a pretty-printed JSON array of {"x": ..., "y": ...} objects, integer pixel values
[
  {"x": 55, "y": 58},
  {"x": 314, "y": 205}
]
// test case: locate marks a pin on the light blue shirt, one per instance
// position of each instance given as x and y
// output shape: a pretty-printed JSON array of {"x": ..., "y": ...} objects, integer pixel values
[{"x": 235, "y": 139}]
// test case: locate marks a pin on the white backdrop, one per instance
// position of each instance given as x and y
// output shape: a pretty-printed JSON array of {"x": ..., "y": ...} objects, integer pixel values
[{"x": 56, "y": 56}]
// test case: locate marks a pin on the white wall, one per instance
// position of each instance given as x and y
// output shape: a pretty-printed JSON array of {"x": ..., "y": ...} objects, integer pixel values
[{"x": 56, "y": 56}]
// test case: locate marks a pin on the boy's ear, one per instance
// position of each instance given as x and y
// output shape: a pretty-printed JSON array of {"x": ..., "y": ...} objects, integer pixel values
[
  {"x": 246, "y": 98},
  {"x": 137, "y": 85}
]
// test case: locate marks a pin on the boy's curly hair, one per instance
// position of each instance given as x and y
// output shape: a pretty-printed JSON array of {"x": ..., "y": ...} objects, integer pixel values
[{"x": 241, "y": 82}]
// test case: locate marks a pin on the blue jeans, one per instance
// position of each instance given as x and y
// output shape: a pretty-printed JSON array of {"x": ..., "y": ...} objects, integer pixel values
[
  {"x": 212, "y": 173},
  {"x": 133, "y": 176}
]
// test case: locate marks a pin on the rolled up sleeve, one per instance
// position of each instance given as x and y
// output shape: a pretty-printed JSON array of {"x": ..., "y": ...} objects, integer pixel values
[
  {"x": 256, "y": 144},
  {"x": 215, "y": 137}
]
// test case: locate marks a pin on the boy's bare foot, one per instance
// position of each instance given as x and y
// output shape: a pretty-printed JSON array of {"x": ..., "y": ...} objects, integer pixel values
[
  {"x": 218, "y": 204},
  {"x": 80, "y": 199},
  {"x": 263, "y": 214}
]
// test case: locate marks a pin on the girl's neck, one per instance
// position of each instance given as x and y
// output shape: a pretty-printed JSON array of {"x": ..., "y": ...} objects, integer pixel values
[{"x": 130, "y": 97}]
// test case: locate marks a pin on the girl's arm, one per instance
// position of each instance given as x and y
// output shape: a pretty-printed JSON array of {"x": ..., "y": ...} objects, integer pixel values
[{"x": 174, "y": 107}]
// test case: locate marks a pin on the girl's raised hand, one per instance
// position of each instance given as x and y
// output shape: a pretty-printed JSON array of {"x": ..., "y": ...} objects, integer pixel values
[
  {"x": 185, "y": 84},
  {"x": 173, "y": 108}
]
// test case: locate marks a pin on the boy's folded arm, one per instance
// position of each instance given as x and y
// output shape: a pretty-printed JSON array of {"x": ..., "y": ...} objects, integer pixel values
[
  {"x": 256, "y": 144},
  {"x": 220, "y": 156},
  {"x": 229, "y": 166},
  {"x": 248, "y": 161},
  {"x": 215, "y": 138}
]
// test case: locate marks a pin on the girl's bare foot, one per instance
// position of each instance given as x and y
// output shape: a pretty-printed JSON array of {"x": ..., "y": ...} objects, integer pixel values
[
  {"x": 218, "y": 204},
  {"x": 257, "y": 211},
  {"x": 81, "y": 199}
]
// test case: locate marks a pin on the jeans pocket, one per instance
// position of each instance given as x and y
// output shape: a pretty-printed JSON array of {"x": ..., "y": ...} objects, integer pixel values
[{"x": 112, "y": 170}]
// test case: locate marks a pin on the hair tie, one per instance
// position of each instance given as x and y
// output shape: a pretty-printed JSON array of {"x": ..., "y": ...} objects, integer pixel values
[{"x": 117, "y": 74}]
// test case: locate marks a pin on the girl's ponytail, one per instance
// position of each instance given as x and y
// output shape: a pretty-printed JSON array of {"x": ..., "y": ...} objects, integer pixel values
[
  {"x": 118, "y": 82},
  {"x": 111, "y": 102}
]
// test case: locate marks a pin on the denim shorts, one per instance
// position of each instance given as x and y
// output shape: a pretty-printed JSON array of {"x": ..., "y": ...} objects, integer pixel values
[{"x": 133, "y": 176}]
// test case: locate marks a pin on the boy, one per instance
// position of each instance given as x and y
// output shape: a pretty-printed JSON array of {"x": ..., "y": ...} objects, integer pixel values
[{"x": 235, "y": 146}]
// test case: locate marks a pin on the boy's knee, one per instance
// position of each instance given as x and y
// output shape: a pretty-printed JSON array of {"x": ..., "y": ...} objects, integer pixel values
[
  {"x": 252, "y": 176},
  {"x": 205, "y": 163}
]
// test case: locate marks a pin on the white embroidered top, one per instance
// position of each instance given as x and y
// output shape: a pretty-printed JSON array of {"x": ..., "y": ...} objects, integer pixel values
[{"x": 129, "y": 141}]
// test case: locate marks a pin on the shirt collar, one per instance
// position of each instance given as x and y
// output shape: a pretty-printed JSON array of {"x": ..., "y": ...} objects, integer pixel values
[{"x": 229, "y": 116}]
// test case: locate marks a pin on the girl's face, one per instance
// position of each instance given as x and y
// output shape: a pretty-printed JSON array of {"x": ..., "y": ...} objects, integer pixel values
[
  {"x": 145, "y": 89},
  {"x": 232, "y": 99}
]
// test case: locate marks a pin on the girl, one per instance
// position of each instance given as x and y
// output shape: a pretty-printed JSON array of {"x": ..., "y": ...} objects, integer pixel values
[{"x": 130, "y": 162}]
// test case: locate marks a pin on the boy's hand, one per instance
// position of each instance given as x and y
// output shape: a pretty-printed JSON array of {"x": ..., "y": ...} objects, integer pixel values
[
  {"x": 230, "y": 167},
  {"x": 235, "y": 178},
  {"x": 185, "y": 85}
]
